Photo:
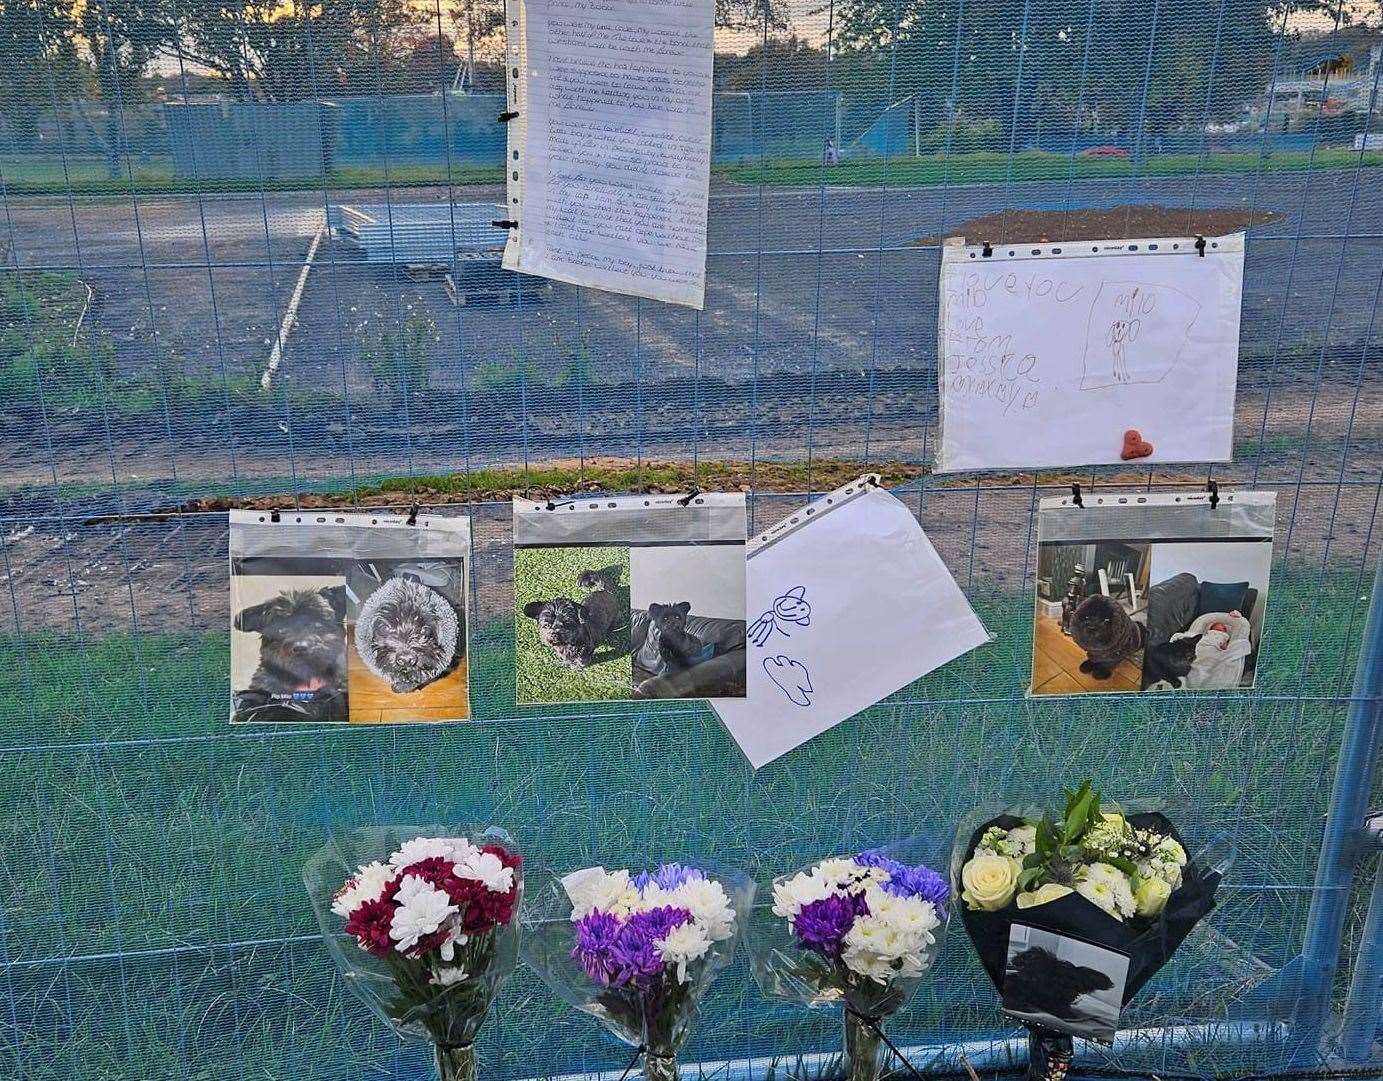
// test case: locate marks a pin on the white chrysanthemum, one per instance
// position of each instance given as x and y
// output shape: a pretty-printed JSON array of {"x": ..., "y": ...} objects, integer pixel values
[
  {"x": 1166, "y": 870},
  {"x": 708, "y": 904},
  {"x": 596, "y": 889},
  {"x": 909, "y": 915},
  {"x": 422, "y": 910},
  {"x": 367, "y": 884},
  {"x": 801, "y": 889},
  {"x": 456, "y": 849},
  {"x": 685, "y": 943},
  {"x": 1022, "y": 841},
  {"x": 1109, "y": 888},
  {"x": 881, "y": 949},
  {"x": 489, "y": 870},
  {"x": 455, "y": 937},
  {"x": 1169, "y": 850},
  {"x": 448, "y": 975}
]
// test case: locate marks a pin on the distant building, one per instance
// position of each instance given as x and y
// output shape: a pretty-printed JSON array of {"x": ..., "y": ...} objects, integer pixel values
[{"x": 1337, "y": 70}]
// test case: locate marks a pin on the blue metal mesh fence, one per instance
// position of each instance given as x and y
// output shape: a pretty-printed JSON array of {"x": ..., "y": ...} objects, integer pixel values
[{"x": 173, "y": 334}]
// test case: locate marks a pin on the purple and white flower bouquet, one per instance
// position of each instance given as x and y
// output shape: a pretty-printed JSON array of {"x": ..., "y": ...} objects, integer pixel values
[
  {"x": 855, "y": 931},
  {"x": 639, "y": 951}
]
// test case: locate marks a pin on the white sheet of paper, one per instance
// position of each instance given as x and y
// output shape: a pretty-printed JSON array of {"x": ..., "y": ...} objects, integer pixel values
[
  {"x": 1050, "y": 352},
  {"x": 847, "y": 606},
  {"x": 613, "y": 144}
]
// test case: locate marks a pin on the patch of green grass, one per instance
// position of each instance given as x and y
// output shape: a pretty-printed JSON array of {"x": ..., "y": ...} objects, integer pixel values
[
  {"x": 990, "y": 166},
  {"x": 541, "y": 574}
]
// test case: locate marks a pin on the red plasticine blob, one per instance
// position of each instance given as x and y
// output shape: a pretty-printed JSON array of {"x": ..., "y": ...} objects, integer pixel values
[{"x": 1135, "y": 446}]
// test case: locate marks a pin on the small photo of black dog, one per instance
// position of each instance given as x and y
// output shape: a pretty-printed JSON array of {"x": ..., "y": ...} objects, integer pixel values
[
  {"x": 1064, "y": 984},
  {"x": 289, "y": 650}
]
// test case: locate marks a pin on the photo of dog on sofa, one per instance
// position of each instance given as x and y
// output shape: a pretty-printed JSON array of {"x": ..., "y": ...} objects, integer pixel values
[
  {"x": 288, "y": 643},
  {"x": 1063, "y": 984},
  {"x": 1205, "y": 614}
]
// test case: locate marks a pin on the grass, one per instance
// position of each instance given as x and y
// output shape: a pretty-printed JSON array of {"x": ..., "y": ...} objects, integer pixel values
[
  {"x": 540, "y": 574},
  {"x": 993, "y": 166},
  {"x": 155, "y": 926},
  {"x": 153, "y": 175}
]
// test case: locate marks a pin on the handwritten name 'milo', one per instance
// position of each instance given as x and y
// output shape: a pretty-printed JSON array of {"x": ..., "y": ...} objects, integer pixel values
[{"x": 985, "y": 366}]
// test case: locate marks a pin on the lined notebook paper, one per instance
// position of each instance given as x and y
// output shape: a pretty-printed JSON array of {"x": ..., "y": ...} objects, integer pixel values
[{"x": 609, "y": 157}]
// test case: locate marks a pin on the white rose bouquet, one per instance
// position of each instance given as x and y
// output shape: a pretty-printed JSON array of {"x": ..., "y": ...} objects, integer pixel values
[
  {"x": 422, "y": 923},
  {"x": 855, "y": 931},
  {"x": 638, "y": 951},
  {"x": 1122, "y": 882}
]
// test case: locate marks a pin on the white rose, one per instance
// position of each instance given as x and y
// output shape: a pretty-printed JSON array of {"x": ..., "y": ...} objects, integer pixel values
[
  {"x": 1151, "y": 896},
  {"x": 988, "y": 881},
  {"x": 1051, "y": 891},
  {"x": 1169, "y": 850}
]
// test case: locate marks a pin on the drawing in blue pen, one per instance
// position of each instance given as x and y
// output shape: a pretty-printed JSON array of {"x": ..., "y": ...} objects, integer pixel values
[
  {"x": 792, "y": 678},
  {"x": 789, "y": 607}
]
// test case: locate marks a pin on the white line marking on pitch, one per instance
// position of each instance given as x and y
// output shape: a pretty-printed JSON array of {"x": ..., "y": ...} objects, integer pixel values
[{"x": 291, "y": 315}]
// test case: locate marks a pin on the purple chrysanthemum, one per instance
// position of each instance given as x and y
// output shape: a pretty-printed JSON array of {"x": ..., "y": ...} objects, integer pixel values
[
  {"x": 669, "y": 876},
  {"x": 908, "y": 881},
  {"x": 635, "y": 952},
  {"x": 822, "y": 925},
  {"x": 596, "y": 934}
]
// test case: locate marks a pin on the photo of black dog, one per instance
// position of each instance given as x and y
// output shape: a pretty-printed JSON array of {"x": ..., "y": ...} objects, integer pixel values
[
  {"x": 575, "y": 630},
  {"x": 1037, "y": 981},
  {"x": 668, "y": 647},
  {"x": 1102, "y": 628},
  {"x": 301, "y": 674},
  {"x": 1171, "y": 661}
]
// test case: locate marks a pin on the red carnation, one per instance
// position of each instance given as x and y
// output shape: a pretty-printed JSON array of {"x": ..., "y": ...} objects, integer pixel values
[{"x": 370, "y": 925}]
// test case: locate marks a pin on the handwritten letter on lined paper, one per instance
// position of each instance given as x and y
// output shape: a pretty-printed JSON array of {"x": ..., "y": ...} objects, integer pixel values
[
  {"x": 1050, "y": 353},
  {"x": 614, "y": 149}
]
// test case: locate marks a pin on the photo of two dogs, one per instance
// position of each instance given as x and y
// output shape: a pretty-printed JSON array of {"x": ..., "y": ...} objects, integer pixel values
[{"x": 587, "y": 626}]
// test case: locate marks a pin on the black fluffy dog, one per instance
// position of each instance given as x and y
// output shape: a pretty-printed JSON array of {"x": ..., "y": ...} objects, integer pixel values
[
  {"x": 1104, "y": 630},
  {"x": 574, "y": 630},
  {"x": 1171, "y": 661},
  {"x": 1037, "y": 981},
  {"x": 302, "y": 652},
  {"x": 668, "y": 647}
]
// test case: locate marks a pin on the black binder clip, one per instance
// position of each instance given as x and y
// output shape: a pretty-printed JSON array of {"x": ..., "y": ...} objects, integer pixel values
[
  {"x": 988, "y": 250},
  {"x": 274, "y": 515},
  {"x": 872, "y": 480},
  {"x": 1213, "y": 487},
  {"x": 413, "y": 514},
  {"x": 1075, "y": 496},
  {"x": 505, "y": 223},
  {"x": 686, "y": 499},
  {"x": 1200, "y": 246},
  {"x": 505, "y": 117}
]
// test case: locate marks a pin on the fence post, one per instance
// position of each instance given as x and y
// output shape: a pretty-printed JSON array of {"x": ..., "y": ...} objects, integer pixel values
[{"x": 1343, "y": 843}]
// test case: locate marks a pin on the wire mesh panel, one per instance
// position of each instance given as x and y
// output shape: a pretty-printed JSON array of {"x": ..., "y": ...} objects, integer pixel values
[{"x": 186, "y": 323}]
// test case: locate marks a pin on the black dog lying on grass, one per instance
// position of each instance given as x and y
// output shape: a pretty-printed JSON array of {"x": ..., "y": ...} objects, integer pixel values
[
  {"x": 302, "y": 657},
  {"x": 1037, "y": 981},
  {"x": 574, "y": 630}
]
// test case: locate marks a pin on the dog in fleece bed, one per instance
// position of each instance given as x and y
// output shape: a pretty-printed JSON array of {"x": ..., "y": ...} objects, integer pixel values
[{"x": 1224, "y": 646}]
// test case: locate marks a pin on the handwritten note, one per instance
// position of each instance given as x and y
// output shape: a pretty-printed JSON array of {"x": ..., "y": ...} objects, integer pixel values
[
  {"x": 1049, "y": 353},
  {"x": 854, "y": 604},
  {"x": 611, "y": 165}
]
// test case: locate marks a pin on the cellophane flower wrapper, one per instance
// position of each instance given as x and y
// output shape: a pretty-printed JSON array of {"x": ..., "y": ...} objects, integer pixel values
[
  {"x": 1149, "y": 941},
  {"x": 638, "y": 950},
  {"x": 423, "y": 924},
  {"x": 837, "y": 949}
]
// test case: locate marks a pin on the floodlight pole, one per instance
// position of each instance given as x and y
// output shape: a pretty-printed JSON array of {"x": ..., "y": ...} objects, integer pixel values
[{"x": 1347, "y": 839}]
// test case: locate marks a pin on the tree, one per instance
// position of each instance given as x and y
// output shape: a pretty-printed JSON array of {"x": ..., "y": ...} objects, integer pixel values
[
  {"x": 121, "y": 37},
  {"x": 40, "y": 64},
  {"x": 476, "y": 23}
]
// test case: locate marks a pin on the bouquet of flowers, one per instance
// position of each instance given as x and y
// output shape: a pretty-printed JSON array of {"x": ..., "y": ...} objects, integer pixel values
[
  {"x": 859, "y": 931},
  {"x": 422, "y": 924},
  {"x": 639, "y": 951},
  {"x": 1071, "y": 916}
]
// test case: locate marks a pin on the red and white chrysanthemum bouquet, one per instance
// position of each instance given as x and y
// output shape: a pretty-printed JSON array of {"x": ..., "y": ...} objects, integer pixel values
[{"x": 423, "y": 924}]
